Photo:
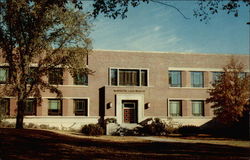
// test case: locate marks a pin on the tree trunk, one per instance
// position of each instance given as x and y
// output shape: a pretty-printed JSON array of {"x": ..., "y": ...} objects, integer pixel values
[{"x": 20, "y": 113}]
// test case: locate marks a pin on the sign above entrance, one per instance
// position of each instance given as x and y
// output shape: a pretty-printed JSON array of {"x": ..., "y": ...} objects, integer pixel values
[{"x": 125, "y": 90}]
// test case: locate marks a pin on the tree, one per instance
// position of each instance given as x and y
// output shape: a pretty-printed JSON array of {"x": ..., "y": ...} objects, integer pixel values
[
  {"x": 37, "y": 36},
  {"x": 230, "y": 93}
]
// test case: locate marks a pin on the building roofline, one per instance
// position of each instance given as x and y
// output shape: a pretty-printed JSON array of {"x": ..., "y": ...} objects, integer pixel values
[{"x": 161, "y": 52}]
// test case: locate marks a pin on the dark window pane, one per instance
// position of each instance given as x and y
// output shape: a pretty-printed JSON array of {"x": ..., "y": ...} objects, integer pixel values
[
  {"x": 81, "y": 107},
  {"x": 175, "y": 108},
  {"x": 198, "y": 108},
  {"x": 32, "y": 75},
  {"x": 128, "y": 77},
  {"x": 144, "y": 78},
  {"x": 30, "y": 107},
  {"x": 81, "y": 79},
  {"x": 56, "y": 76},
  {"x": 216, "y": 76},
  {"x": 5, "y": 106},
  {"x": 114, "y": 77}
]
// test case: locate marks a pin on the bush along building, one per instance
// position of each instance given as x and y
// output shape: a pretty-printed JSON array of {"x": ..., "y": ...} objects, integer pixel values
[{"x": 129, "y": 86}]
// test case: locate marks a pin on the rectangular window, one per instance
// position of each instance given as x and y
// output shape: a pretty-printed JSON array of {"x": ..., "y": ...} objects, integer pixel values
[
  {"x": 175, "y": 78},
  {"x": 216, "y": 76},
  {"x": 56, "y": 76},
  {"x": 55, "y": 107},
  {"x": 144, "y": 78},
  {"x": 81, "y": 107},
  {"x": 197, "y": 79},
  {"x": 4, "y": 75},
  {"x": 242, "y": 75},
  {"x": 32, "y": 75},
  {"x": 114, "y": 76},
  {"x": 30, "y": 108},
  {"x": 198, "y": 108},
  {"x": 81, "y": 79},
  {"x": 5, "y": 106},
  {"x": 128, "y": 77},
  {"x": 175, "y": 108}
]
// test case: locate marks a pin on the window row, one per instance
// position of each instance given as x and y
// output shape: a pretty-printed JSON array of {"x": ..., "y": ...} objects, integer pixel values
[
  {"x": 197, "y": 78},
  {"x": 175, "y": 108},
  {"x": 55, "y": 76},
  {"x": 54, "y": 107},
  {"x": 128, "y": 77}
]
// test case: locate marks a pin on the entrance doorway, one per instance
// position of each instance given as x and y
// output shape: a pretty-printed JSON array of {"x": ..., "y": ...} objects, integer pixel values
[{"x": 129, "y": 108}]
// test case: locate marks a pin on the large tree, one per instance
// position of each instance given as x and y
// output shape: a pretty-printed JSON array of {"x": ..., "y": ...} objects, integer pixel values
[
  {"x": 230, "y": 94},
  {"x": 37, "y": 36}
]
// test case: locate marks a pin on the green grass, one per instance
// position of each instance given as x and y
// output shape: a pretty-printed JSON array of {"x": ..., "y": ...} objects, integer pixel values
[{"x": 29, "y": 144}]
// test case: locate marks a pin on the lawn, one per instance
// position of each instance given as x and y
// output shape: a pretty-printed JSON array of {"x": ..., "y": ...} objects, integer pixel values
[{"x": 30, "y": 144}]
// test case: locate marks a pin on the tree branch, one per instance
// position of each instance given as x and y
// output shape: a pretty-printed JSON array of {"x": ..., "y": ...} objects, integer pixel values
[{"x": 158, "y": 1}]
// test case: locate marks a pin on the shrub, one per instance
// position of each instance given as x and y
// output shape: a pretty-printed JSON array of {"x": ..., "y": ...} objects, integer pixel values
[
  {"x": 121, "y": 131},
  {"x": 92, "y": 130},
  {"x": 155, "y": 127},
  {"x": 44, "y": 126},
  {"x": 188, "y": 130},
  {"x": 6, "y": 124}
]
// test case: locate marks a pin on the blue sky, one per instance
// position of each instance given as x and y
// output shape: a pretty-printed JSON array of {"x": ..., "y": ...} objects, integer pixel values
[{"x": 154, "y": 27}]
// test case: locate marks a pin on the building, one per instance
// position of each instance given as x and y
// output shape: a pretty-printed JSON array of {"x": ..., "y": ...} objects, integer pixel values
[{"x": 129, "y": 86}]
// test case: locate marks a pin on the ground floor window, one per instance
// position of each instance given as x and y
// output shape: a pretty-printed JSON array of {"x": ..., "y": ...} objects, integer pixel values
[
  {"x": 81, "y": 107},
  {"x": 30, "y": 107},
  {"x": 55, "y": 107},
  {"x": 5, "y": 106},
  {"x": 198, "y": 108},
  {"x": 175, "y": 108}
]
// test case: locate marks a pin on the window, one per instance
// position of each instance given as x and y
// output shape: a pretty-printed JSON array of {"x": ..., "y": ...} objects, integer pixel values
[
  {"x": 81, "y": 79},
  {"x": 5, "y": 106},
  {"x": 4, "y": 74},
  {"x": 32, "y": 75},
  {"x": 55, "y": 107},
  {"x": 175, "y": 78},
  {"x": 30, "y": 108},
  {"x": 198, "y": 108},
  {"x": 81, "y": 107},
  {"x": 128, "y": 77},
  {"x": 175, "y": 108},
  {"x": 197, "y": 79},
  {"x": 242, "y": 75},
  {"x": 216, "y": 76},
  {"x": 56, "y": 76}
]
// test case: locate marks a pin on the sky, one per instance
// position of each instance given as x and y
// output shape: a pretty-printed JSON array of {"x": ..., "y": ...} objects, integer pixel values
[{"x": 155, "y": 27}]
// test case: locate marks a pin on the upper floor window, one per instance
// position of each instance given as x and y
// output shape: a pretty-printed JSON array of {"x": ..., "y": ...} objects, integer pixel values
[
  {"x": 175, "y": 78},
  {"x": 175, "y": 108},
  {"x": 81, "y": 107},
  {"x": 129, "y": 77},
  {"x": 242, "y": 75},
  {"x": 5, "y": 106},
  {"x": 4, "y": 74},
  {"x": 32, "y": 75},
  {"x": 55, "y": 107},
  {"x": 56, "y": 76},
  {"x": 216, "y": 76},
  {"x": 81, "y": 79},
  {"x": 197, "y": 79},
  {"x": 198, "y": 108},
  {"x": 30, "y": 108}
]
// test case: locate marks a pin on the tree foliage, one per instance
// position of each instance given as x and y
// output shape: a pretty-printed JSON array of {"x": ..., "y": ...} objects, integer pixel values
[
  {"x": 230, "y": 93},
  {"x": 44, "y": 35},
  {"x": 206, "y": 8}
]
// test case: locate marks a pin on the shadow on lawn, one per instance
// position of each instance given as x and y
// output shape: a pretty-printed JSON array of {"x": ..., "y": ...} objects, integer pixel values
[{"x": 37, "y": 145}]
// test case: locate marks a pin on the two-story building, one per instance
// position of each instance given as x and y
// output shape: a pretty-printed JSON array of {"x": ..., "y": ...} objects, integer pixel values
[{"x": 129, "y": 86}]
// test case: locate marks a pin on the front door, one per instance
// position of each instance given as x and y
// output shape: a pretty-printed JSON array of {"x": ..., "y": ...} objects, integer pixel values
[{"x": 129, "y": 111}]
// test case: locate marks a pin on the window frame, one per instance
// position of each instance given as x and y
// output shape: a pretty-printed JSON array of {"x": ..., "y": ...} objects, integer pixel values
[
  {"x": 34, "y": 107},
  {"x": 60, "y": 110},
  {"x": 170, "y": 81},
  {"x": 169, "y": 107},
  {"x": 6, "y": 107},
  {"x": 59, "y": 80},
  {"x": 8, "y": 75},
  {"x": 193, "y": 85},
  {"x": 81, "y": 113},
  {"x": 118, "y": 79},
  {"x": 202, "y": 114},
  {"x": 77, "y": 82}
]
